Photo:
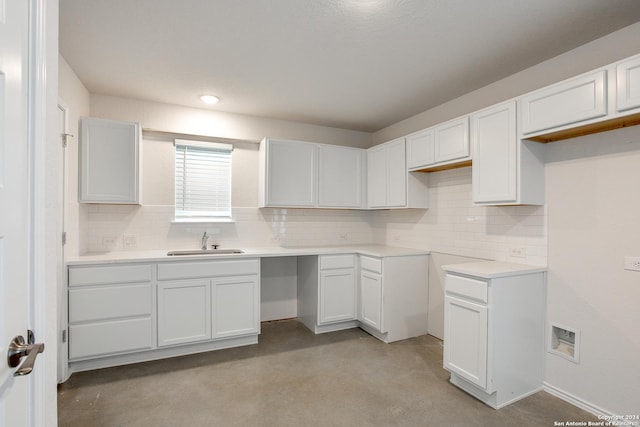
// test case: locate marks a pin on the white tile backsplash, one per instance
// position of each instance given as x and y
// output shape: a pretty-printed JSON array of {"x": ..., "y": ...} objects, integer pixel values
[{"x": 452, "y": 225}]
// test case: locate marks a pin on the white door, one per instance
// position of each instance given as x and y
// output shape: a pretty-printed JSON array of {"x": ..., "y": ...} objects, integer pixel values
[
  {"x": 465, "y": 339},
  {"x": 337, "y": 299},
  {"x": 235, "y": 306},
  {"x": 371, "y": 300},
  {"x": 340, "y": 177},
  {"x": 291, "y": 173},
  {"x": 20, "y": 396},
  {"x": 377, "y": 177},
  {"x": 396, "y": 174}
]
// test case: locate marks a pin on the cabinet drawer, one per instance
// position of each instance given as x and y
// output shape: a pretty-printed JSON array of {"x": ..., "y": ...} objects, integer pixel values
[
  {"x": 466, "y": 287},
  {"x": 199, "y": 269},
  {"x": 328, "y": 262},
  {"x": 371, "y": 264},
  {"x": 105, "y": 338},
  {"x": 573, "y": 101},
  {"x": 104, "y": 275},
  {"x": 109, "y": 302}
]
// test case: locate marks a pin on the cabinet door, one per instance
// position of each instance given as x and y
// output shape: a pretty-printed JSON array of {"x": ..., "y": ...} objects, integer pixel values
[
  {"x": 420, "y": 149},
  {"x": 628, "y": 84},
  {"x": 396, "y": 173},
  {"x": 109, "y": 161},
  {"x": 377, "y": 177},
  {"x": 184, "y": 312},
  {"x": 465, "y": 339},
  {"x": 340, "y": 176},
  {"x": 572, "y": 101},
  {"x": 291, "y": 173},
  {"x": 493, "y": 133},
  {"x": 451, "y": 140},
  {"x": 337, "y": 296},
  {"x": 235, "y": 305},
  {"x": 371, "y": 300}
]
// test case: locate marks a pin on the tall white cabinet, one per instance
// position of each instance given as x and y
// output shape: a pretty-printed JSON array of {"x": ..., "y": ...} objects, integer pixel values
[
  {"x": 505, "y": 169},
  {"x": 109, "y": 161},
  {"x": 494, "y": 317}
]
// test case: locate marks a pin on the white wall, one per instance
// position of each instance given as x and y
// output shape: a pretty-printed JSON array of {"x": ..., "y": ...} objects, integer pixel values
[
  {"x": 194, "y": 121},
  {"x": 594, "y": 208},
  {"x": 75, "y": 98}
]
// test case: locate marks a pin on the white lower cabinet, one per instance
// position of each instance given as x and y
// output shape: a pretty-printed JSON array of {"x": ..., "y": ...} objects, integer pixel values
[
  {"x": 371, "y": 300},
  {"x": 136, "y": 312},
  {"x": 235, "y": 306},
  {"x": 213, "y": 300},
  {"x": 111, "y": 310},
  {"x": 393, "y": 296},
  {"x": 184, "y": 312},
  {"x": 385, "y": 296},
  {"x": 494, "y": 330},
  {"x": 327, "y": 292}
]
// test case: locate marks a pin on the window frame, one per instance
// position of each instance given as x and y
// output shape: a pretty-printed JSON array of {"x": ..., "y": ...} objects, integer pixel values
[{"x": 182, "y": 215}]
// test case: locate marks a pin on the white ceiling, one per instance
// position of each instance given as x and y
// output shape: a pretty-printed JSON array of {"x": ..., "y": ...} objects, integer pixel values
[{"x": 354, "y": 64}]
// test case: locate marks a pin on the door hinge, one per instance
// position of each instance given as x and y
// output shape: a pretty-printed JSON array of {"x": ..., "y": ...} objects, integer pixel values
[
  {"x": 64, "y": 237},
  {"x": 65, "y": 137},
  {"x": 64, "y": 336}
]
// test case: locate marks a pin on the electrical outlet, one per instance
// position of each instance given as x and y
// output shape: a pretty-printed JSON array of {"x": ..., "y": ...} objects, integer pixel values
[
  {"x": 129, "y": 240},
  {"x": 343, "y": 236},
  {"x": 109, "y": 242},
  {"x": 519, "y": 252},
  {"x": 632, "y": 263}
]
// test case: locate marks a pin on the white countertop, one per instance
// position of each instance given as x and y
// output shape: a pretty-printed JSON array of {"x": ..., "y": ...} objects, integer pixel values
[
  {"x": 492, "y": 269},
  {"x": 161, "y": 255}
]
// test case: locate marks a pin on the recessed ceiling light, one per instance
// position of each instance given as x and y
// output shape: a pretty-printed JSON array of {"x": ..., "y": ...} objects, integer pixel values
[{"x": 209, "y": 99}]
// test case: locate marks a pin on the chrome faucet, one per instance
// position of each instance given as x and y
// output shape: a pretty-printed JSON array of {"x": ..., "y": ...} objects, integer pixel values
[{"x": 205, "y": 238}]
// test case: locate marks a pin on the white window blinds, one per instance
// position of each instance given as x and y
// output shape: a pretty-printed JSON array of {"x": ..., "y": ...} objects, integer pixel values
[{"x": 203, "y": 180}]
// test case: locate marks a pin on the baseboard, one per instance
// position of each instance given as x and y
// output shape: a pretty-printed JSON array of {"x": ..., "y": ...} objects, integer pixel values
[{"x": 574, "y": 400}]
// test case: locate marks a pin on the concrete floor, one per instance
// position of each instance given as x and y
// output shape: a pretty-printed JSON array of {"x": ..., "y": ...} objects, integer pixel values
[{"x": 295, "y": 378}]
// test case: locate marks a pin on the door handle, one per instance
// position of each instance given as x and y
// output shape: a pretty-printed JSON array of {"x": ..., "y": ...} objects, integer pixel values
[{"x": 19, "y": 349}]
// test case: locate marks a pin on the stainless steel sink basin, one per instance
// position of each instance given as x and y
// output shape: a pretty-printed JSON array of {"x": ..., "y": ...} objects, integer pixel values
[{"x": 205, "y": 252}]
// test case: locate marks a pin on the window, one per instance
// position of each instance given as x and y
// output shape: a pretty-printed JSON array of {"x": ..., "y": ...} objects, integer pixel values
[{"x": 203, "y": 181}]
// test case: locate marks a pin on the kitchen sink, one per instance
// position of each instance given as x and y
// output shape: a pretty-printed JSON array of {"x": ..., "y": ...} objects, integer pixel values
[{"x": 205, "y": 252}]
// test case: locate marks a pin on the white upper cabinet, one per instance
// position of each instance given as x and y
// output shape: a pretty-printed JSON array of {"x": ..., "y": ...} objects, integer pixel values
[
  {"x": 628, "y": 84},
  {"x": 377, "y": 176},
  {"x": 109, "y": 161},
  {"x": 396, "y": 174},
  {"x": 420, "y": 149},
  {"x": 389, "y": 185},
  {"x": 341, "y": 176},
  {"x": 305, "y": 174},
  {"x": 494, "y": 136},
  {"x": 387, "y": 175},
  {"x": 444, "y": 144},
  {"x": 451, "y": 140},
  {"x": 288, "y": 173},
  {"x": 569, "y": 102},
  {"x": 506, "y": 170}
]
